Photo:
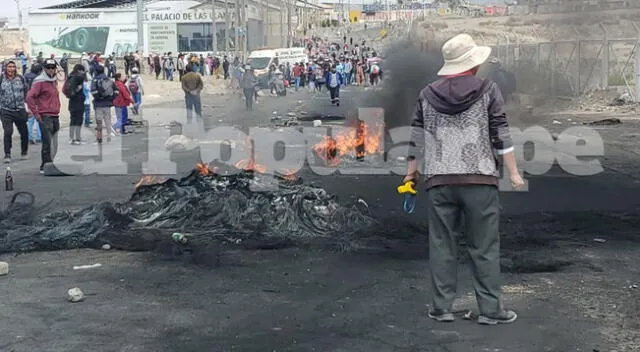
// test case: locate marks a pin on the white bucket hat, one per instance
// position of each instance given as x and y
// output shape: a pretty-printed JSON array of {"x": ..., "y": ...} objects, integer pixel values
[{"x": 461, "y": 53}]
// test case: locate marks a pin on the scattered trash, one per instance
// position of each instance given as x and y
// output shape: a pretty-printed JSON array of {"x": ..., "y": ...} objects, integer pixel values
[
  {"x": 75, "y": 295},
  {"x": 179, "y": 238},
  {"x": 556, "y": 122},
  {"x": 633, "y": 286},
  {"x": 91, "y": 266},
  {"x": 317, "y": 123},
  {"x": 604, "y": 122},
  {"x": 180, "y": 143},
  {"x": 599, "y": 240},
  {"x": 291, "y": 114},
  {"x": 4, "y": 268},
  {"x": 106, "y": 247},
  {"x": 623, "y": 99},
  {"x": 470, "y": 315}
]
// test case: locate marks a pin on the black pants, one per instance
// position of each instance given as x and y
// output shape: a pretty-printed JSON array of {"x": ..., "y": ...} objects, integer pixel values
[
  {"x": 19, "y": 118},
  {"x": 249, "y": 95},
  {"x": 335, "y": 94},
  {"x": 77, "y": 116},
  {"x": 50, "y": 125}
]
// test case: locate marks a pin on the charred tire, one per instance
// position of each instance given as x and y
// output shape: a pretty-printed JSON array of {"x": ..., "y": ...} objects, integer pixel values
[{"x": 80, "y": 39}]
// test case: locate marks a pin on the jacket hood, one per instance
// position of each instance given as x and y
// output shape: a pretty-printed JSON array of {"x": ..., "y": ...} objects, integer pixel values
[
  {"x": 44, "y": 77},
  {"x": 456, "y": 94}
]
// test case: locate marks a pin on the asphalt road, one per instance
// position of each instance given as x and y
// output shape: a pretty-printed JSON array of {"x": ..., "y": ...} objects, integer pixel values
[{"x": 295, "y": 300}]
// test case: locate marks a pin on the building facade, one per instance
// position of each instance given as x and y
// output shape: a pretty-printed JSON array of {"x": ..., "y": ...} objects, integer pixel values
[{"x": 110, "y": 26}]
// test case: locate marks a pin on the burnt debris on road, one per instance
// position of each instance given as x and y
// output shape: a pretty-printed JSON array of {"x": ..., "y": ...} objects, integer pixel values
[{"x": 207, "y": 206}]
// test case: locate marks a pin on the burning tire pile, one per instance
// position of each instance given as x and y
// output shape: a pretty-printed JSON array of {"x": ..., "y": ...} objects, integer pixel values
[{"x": 208, "y": 208}]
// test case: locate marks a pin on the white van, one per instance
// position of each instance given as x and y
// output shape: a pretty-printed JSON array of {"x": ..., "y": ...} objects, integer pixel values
[{"x": 260, "y": 60}]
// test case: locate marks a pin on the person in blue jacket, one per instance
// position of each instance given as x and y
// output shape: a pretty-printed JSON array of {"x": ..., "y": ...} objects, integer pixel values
[{"x": 333, "y": 82}]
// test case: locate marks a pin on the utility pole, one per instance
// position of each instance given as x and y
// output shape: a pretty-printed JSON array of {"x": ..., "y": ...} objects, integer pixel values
[
  {"x": 245, "y": 23},
  {"x": 288, "y": 23},
  {"x": 282, "y": 37},
  {"x": 227, "y": 32},
  {"x": 236, "y": 29},
  {"x": 20, "y": 24},
  {"x": 214, "y": 30},
  {"x": 139, "y": 24}
]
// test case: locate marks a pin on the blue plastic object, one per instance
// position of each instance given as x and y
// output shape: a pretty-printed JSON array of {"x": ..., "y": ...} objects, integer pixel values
[{"x": 409, "y": 204}]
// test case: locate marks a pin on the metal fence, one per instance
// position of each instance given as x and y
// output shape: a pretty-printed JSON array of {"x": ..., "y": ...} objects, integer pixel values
[{"x": 573, "y": 66}]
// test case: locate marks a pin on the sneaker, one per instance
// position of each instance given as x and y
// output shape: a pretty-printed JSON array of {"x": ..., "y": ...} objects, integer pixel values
[
  {"x": 24, "y": 156},
  {"x": 503, "y": 317},
  {"x": 7, "y": 159},
  {"x": 42, "y": 169},
  {"x": 337, "y": 103},
  {"x": 441, "y": 316}
]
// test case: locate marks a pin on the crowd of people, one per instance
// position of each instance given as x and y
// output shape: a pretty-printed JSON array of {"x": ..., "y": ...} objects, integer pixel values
[
  {"x": 333, "y": 65},
  {"x": 30, "y": 89}
]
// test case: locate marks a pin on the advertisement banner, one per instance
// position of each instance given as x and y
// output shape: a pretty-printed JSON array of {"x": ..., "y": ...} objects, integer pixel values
[
  {"x": 75, "y": 40},
  {"x": 162, "y": 37}
]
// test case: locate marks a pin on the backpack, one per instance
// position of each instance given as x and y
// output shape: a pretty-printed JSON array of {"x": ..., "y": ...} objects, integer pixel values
[
  {"x": 66, "y": 88},
  {"x": 29, "y": 81},
  {"x": 105, "y": 89},
  {"x": 133, "y": 86}
]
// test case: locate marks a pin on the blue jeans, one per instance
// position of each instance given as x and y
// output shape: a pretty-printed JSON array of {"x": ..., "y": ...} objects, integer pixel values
[
  {"x": 192, "y": 103},
  {"x": 137, "y": 100},
  {"x": 30, "y": 122},
  {"x": 297, "y": 80},
  {"x": 87, "y": 115},
  {"x": 122, "y": 116}
]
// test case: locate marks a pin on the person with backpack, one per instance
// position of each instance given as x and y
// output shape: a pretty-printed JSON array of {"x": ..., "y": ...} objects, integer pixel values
[
  {"x": 72, "y": 89},
  {"x": 36, "y": 70},
  {"x": 135, "y": 87},
  {"x": 121, "y": 103},
  {"x": 104, "y": 92},
  {"x": 374, "y": 71},
  {"x": 13, "y": 92},
  {"x": 43, "y": 101}
]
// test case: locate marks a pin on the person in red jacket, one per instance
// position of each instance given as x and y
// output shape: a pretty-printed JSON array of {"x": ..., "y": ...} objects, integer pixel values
[
  {"x": 43, "y": 100},
  {"x": 122, "y": 102}
]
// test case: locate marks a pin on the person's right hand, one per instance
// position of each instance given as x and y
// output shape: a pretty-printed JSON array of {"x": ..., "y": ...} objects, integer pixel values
[
  {"x": 516, "y": 180},
  {"x": 38, "y": 117}
]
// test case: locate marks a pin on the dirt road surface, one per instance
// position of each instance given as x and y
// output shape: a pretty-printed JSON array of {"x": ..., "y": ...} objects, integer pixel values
[{"x": 571, "y": 253}]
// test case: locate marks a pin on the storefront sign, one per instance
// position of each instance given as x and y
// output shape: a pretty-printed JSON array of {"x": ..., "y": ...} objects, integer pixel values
[
  {"x": 196, "y": 16},
  {"x": 81, "y": 16}
]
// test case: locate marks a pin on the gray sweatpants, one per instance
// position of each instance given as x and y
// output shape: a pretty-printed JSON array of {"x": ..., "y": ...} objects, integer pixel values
[
  {"x": 103, "y": 119},
  {"x": 479, "y": 207}
]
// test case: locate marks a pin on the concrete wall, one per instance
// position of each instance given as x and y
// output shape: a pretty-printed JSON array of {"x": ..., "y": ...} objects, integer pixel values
[{"x": 10, "y": 41}]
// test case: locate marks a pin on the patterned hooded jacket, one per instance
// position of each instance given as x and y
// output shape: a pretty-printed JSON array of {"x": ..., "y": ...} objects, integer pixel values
[{"x": 13, "y": 92}]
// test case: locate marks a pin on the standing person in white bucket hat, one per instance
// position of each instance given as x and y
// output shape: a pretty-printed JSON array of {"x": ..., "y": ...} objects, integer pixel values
[{"x": 458, "y": 129}]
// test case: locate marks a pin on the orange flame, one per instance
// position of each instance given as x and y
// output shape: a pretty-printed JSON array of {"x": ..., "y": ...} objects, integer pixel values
[
  {"x": 149, "y": 180},
  {"x": 359, "y": 142},
  {"x": 204, "y": 170}
]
